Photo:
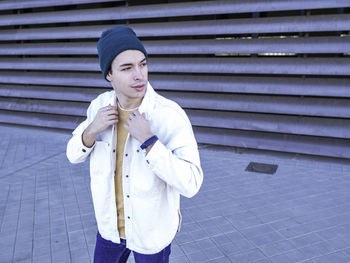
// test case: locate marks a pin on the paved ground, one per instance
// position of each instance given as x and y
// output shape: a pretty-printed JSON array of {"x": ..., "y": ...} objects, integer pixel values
[{"x": 299, "y": 214}]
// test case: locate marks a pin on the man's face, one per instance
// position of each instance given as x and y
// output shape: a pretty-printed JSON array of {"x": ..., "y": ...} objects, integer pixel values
[{"x": 129, "y": 75}]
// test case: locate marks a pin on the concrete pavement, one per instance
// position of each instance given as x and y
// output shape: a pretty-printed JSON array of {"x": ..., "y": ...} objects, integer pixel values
[{"x": 299, "y": 214}]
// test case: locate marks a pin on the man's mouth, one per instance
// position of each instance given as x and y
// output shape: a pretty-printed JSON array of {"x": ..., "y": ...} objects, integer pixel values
[{"x": 139, "y": 87}]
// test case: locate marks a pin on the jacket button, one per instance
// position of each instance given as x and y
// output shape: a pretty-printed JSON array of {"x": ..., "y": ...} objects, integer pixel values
[{"x": 83, "y": 150}]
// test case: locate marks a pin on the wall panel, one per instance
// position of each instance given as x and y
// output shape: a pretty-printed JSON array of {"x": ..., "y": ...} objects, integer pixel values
[{"x": 271, "y": 75}]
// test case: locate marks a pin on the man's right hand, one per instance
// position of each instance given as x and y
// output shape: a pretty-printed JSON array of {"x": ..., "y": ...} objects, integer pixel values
[{"x": 104, "y": 118}]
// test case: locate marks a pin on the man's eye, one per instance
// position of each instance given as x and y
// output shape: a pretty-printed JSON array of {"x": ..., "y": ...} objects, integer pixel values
[
  {"x": 144, "y": 64},
  {"x": 125, "y": 69}
]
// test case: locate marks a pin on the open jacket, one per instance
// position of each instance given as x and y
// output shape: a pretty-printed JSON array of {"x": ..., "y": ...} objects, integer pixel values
[{"x": 152, "y": 183}]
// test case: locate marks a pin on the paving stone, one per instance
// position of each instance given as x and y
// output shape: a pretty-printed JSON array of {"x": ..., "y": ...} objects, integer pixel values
[
  {"x": 183, "y": 238},
  {"x": 40, "y": 250},
  {"x": 59, "y": 242},
  {"x": 213, "y": 253},
  {"x": 41, "y": 259},
  {"x": 61, "y": 256},
  {"x": 277, "y": 248},
  {"x": 176, "y": 250},
  {"x": 197, "y": 257},
  {"x": 266, "y": 238},
  {"x": 220, "y": 260},
  {"x": 80, "y": 255},
  {"x": 7, "y": 256},
  {"x": 329, "y": 233},
  {"x": 337, "y": 257},
  {"x": 229, "y": 248},
  {"x": 248, "y": 256},
  {"x": 316, "y": 250},
  {"x": 257, "y": 230},
  {"x": 206, "y": 243},
  {"x": 305, "y": 240},
  {"x": 77, "y": 239},
  {"x": 181, "y": 259},
  {"x": 281, "y": 259},
  {"x": 190, "y": 247},
  {"x": 215, "y": 226},
  {"x": 23, "y": 251},
  {"x": 90, "y": 236},
  {"x": 264, "y": 260}
]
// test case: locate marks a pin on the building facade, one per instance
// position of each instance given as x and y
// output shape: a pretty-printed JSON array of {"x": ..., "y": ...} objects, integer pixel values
[{"x": 270, "y": 75}]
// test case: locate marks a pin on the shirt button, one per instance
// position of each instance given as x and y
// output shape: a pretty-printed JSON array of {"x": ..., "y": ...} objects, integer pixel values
[
  {"x": 128, "y": 217},
  {"x": 114, "y": 150},
  {"x": 138, "y": 150},
  {"x": 147, "y": 161},
  {"x": 126, "y": 155},
  {"x": 83, "y": 150},
  {"x": 128, "y": 196},
  {"x": 127, "y": 176}
]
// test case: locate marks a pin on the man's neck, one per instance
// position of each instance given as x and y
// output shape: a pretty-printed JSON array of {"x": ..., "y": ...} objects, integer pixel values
[{"x": 128, "y": 104}]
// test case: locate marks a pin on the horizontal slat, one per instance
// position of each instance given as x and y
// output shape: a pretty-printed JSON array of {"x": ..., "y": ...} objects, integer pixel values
[
  {"x": 44, "y": 106},
  {"x": 208, "y": 46},
  {"x": 68, "y": 64},
  {"x": 328, "y": 87},
  {"x": 276, "y": 142},
  {"x": 326, "y": 127},
  {"x": 337, "y": 87},
  {"x": 240, "y": 6},
  {"x": 325, "y": 107},
  {"x": 283, "y": 65},
  {"x": 40, "y": 119},
  {"x": 50, "y": 92},
  {"x": 317, "y": 23},
  {"x": 21, "y": 4},
  {"x": 228, "y": 65},
  {"x": 54, "y": 78},
  {"x": 164, "y": 10},
  {"x": 293, "y": 24}
]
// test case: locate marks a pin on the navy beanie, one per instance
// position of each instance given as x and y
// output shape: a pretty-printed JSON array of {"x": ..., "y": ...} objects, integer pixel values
[{"x": 114, "y": 41}]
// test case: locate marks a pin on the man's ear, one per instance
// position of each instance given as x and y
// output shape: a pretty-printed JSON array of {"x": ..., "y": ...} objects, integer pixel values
[{"x": 108, "y": 76}]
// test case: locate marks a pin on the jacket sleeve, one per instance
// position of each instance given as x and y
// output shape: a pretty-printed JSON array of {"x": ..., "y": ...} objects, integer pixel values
[
  {"x": 76, "y": 151},
  {"x": 179, "y": 167}
]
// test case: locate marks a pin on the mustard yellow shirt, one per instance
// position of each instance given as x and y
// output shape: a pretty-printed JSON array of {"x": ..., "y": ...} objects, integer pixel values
[{"x": 122, "y": 134}]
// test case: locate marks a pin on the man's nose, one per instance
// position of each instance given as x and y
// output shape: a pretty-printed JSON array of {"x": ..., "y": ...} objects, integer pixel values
[{"x": 137, "y": 73}]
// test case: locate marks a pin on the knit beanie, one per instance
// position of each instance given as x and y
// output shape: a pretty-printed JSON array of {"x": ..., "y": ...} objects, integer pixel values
[{"x": 114, "y": 41}]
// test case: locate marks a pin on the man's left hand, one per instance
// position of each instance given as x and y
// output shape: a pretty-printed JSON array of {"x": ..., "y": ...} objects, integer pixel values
[{"x": 138, "y": 126}]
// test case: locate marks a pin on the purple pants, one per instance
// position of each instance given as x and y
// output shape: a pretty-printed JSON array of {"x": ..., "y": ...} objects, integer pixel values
[{"x": 108, "y": 252}]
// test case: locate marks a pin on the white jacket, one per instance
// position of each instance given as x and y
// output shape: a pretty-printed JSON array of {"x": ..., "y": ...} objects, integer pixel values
[{"x": 152, "y": 183}]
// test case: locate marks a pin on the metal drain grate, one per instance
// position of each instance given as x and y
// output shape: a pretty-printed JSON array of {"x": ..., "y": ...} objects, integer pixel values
[{"x": 261, "y": 168}]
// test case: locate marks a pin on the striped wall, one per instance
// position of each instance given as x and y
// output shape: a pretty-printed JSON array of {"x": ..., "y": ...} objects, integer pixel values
[{"x": 259, "y": 74}]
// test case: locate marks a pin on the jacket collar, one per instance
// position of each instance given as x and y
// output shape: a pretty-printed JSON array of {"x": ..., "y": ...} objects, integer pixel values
[{"x": 147, "y": 103}]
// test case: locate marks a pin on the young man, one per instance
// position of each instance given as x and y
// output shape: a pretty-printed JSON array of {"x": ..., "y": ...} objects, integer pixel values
[{"x": 143, "y": 155}]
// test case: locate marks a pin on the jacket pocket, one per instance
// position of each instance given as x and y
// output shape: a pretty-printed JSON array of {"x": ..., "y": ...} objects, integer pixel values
[
  {"x": 100, "y": 161},
  {"x": 146, "y": 183}
]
